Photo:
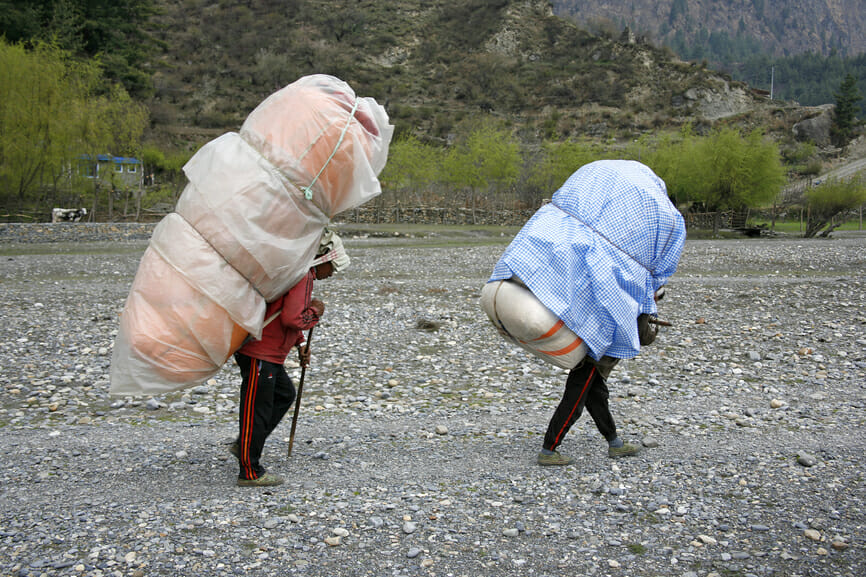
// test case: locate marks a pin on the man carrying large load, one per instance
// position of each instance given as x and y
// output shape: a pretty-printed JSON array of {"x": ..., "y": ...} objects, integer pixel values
[
  {"x": 578, "y": 285},
  {"x": 267, "y": 391}
]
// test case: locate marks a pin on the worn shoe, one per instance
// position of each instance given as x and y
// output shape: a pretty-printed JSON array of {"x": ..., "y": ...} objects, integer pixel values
[
  {"x": 266, "y": 480},
  {"x": 554, "y": 459},
  {"x": 235, "y": 450},
  {"x": 625, "y": 451}
]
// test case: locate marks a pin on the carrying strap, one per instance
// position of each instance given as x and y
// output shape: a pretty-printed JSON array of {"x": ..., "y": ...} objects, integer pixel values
[
  {"x": 496, "y": 322},
  {"x": 271, "y": 318},
  {"x": 268, "y": 321}
]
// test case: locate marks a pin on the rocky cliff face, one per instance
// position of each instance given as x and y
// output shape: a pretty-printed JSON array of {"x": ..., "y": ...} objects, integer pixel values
[{"x": 783, "y": 28}]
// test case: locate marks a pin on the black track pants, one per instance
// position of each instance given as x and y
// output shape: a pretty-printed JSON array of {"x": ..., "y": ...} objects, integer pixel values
[
  {"x": 585, "y": 387},
  {"x": 267, "y": 393}
]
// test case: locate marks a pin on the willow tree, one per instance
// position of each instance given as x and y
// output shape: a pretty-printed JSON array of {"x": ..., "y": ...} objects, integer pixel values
[
  {"x": 487, "y": 161},
  {"x": 829, "y": 199},
  {"x": 665, "y": 154},
  {"x": 34, "y": 129},
  {"x": 55, "y": 109},
  {"x": 412, "y": 168},
  {"x": 109, "y": 123},
  {"x": 558, "y": 161},
  {"x": 726, "y": 170}
]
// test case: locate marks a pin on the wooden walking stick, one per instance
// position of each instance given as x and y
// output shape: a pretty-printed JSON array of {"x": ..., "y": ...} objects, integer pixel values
[{"x": 298, "y": 397}]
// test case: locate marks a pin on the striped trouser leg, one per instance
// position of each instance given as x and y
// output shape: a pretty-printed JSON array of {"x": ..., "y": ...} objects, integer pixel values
[
  {"x": 580, "y": 380},
  {"x": 256, "y": 406}
]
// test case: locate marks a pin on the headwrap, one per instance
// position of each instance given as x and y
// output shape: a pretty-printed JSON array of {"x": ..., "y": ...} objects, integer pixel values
[{"x": 331, "y": 250}]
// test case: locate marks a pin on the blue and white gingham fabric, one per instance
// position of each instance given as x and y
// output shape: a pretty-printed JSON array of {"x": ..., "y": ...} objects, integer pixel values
[{"x": 596, "y": 254}]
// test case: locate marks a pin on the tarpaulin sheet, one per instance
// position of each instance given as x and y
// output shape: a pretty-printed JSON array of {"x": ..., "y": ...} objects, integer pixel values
[
  {"x": 596, "y": 254},
  {"x": 245, "y": 230}
]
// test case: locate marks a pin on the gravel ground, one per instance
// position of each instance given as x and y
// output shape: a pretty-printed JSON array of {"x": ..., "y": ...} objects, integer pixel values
[{"x": 415, "y": 450}]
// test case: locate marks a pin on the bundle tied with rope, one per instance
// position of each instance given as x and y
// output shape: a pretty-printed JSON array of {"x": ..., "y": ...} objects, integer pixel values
[
  {"x": 583, "y": 271},
  {"x": 245, "y": 230}
]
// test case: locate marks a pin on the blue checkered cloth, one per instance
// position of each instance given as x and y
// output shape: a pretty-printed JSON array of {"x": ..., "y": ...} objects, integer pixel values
[{"x": 596, "y": 254}]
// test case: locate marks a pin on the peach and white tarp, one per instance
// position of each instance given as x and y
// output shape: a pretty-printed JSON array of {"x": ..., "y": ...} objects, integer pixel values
[{"x": 245, "y": 230}]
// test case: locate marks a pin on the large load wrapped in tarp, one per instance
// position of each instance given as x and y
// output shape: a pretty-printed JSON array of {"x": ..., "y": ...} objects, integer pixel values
[
  {"x": 594, "y": 257},
  {"x": 245, "y": 230},
  {"x": 523, "y": 319}
]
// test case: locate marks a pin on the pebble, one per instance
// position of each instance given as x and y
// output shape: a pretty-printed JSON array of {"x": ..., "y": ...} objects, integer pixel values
[
  {"x": 806, "y": 459},
  {"x": 420, "y": 457}
]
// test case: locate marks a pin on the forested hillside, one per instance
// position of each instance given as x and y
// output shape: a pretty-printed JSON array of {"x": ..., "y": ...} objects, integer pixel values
[
  {"x": 801, "y": 51},
  {"x": 433, "y": 64},
  {"x": 823, "y": 27},
  {"x": 200, "y": 66},
  {"x": 495, "y": 102}
]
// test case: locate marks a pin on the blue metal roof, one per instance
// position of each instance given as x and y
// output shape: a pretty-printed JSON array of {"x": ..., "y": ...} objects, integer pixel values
[{"x": 114, "y": 159}]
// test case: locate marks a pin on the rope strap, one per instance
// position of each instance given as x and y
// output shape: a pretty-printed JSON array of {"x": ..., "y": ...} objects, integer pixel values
[{"x": 308, "y": 190}]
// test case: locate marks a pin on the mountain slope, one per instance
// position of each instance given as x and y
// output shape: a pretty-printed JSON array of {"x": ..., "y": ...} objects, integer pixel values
[
  {"x": 781, "y": 29},
  {"x": 433, "y": 64}
]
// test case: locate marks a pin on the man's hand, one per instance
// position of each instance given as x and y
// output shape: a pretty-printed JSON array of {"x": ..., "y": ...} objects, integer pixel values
[
  {"x": 318, "y": 306},
  {"x": 304, "y": 355},
  {"x": 646, "y": 329}
]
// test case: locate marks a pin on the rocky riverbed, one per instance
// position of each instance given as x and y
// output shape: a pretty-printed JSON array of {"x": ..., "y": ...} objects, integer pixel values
[{"x": 415, "y": 448}]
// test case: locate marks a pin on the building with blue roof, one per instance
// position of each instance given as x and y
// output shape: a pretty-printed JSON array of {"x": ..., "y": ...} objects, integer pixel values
[{"x": 117, "y": 171}]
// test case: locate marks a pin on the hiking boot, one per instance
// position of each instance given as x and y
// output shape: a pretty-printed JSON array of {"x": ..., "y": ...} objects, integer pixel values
[
  {"x": 266, "y": 480},
  {"x": 625, "y": 451},
  {"x": 554, "y": 459}
]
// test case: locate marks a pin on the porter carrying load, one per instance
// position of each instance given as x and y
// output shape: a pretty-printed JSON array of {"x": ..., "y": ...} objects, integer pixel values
[
  {"x": 245, "y": 230},
  {"x": 586, "y": 265}
]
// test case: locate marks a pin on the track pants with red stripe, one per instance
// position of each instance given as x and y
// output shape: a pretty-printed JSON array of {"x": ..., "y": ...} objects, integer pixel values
[
  {"x": 585, "y": 387},
  {"x": 267, "y": 393}
]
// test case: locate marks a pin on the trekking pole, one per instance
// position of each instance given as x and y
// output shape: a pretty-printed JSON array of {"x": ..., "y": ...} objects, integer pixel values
[{"x": 298, "y": 397}]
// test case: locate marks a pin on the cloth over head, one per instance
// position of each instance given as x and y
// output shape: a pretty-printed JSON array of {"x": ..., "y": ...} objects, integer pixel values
[
  {"x": 596, "y": 254},
  {"x": 331, "y": 250}
]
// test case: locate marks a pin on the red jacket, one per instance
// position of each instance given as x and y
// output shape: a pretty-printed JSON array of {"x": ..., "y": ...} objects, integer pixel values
[{"x": 287, "y": 330}]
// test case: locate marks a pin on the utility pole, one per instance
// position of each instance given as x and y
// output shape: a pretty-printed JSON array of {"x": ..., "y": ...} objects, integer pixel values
[{"x": 772, "y": 79}]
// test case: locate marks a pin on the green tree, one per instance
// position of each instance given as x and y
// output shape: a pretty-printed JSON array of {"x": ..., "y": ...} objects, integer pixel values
[
  {"x": 558, "y": 161},
  {"x": 19, "y": 20},
  {"x": 828, "y": 200},
  {"x": 486, "y": 162},
  {"x": 665, "y": 155},
  {"x": 110, "y": 123},
  {"x": 845, "y": 121},
  {"x": 727, "y": 171},
  {"x": 34, "y": 127},
  {"x": 412, "y": 167},
  {"x": 112, "y": 30},
  {"x": 53, "y": 113}
]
